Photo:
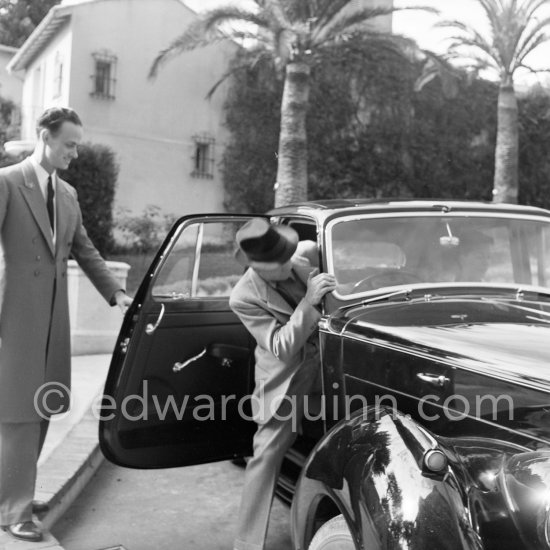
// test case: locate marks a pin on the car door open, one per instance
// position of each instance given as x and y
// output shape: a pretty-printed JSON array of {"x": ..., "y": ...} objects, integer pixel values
[{"x": 178, "y": 387}]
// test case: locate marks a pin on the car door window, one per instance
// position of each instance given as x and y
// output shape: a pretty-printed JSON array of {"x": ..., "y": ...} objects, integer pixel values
[{"x": 201, "y": 263}]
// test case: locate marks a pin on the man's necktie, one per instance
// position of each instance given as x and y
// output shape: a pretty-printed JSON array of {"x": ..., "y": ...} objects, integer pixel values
[
  {"x": 287, "y": 296},
  {"x": 49, "y": 202},
  {"x": 292, "y": 290}
]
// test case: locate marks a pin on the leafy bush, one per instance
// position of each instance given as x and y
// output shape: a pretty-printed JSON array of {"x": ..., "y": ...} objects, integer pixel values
[
  {"x": 9, "y": 128},
  {"x": 534, "y": 161},
  {"x": 141, "y": 233},
  {"x": 94, "y": 174}
]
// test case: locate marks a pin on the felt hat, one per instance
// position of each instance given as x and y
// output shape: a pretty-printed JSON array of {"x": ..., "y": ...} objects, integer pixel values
[{"x": 260, "y": 241}]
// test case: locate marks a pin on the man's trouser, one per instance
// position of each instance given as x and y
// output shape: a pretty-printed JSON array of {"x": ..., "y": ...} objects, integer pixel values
[
  {"x": 20, "y": 446},
  {"x": 271, "y": 442}
]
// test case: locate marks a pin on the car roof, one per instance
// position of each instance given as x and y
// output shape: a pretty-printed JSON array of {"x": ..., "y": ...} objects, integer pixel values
[{"x": 324, "y": 209}]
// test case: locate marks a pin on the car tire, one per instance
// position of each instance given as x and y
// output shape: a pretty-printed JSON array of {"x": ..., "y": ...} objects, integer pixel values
[{"x": 333, "y": 535}]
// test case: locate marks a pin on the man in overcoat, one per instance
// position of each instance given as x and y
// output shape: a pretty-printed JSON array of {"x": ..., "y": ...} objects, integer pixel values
[
  {"x": 41, "y": 226},
  {"x": 277, "y": 300}
]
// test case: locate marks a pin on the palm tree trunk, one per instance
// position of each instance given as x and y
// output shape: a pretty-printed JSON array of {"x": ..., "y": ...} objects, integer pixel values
[
  {"x": 291, "y": 183},
  {"x": 505, "y": 186}
]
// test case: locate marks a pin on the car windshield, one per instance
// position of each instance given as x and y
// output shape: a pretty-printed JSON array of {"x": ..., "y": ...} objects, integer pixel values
[{"x": 369, "y": 253}]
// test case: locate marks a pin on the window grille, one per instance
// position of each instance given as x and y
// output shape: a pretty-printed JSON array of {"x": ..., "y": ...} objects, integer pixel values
[
  {"x": 203, "y": 158},
  {"x": 104, "y": 77}
]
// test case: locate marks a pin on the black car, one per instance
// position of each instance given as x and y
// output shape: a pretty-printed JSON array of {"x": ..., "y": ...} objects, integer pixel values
[{"x": 433, "y": 427}]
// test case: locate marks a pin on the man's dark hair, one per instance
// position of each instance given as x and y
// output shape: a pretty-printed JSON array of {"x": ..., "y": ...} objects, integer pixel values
[{"x": 52, "y": 119}]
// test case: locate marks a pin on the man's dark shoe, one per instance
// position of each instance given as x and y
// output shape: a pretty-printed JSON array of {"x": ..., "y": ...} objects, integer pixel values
[
  {"x": 27, "y": 530},
  {"x": 39, "y": 507}
]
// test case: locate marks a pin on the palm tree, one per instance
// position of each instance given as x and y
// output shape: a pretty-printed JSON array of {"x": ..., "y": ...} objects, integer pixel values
[
  {"x": 292, "y": 33},
  {"x": 516, "y": 30}
]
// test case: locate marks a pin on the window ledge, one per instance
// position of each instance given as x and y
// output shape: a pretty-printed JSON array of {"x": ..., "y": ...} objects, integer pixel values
[{"x": 202, "y": 175}]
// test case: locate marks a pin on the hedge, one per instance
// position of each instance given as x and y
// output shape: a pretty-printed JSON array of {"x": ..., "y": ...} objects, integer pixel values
[
  {"x": 371, "y": 134},
  {"x": 94, "y": 174}
]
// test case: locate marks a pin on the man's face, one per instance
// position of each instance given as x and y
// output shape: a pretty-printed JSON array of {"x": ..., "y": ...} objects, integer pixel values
[
  {"x": 61, "y": 147},
  {"x": 271, "y": 271}
]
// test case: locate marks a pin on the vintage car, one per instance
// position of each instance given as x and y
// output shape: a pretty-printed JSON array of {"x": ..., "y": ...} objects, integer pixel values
[{"x": 432, "y": 428}]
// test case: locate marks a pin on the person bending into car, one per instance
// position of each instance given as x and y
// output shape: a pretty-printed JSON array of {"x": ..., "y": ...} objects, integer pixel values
[{"x": 277, "y": 300}]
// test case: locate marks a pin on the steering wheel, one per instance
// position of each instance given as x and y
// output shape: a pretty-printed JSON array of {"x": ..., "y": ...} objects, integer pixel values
[{"x": 386, "y": 278}]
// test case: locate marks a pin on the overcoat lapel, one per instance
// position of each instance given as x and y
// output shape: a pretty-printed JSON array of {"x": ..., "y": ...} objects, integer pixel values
[
  {"x": 64, "y": 211},
  {"x": 35, "y": 200}
]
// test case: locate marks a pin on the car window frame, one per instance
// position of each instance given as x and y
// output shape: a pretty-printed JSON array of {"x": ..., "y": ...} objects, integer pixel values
[{"x": 333, "y": 221}]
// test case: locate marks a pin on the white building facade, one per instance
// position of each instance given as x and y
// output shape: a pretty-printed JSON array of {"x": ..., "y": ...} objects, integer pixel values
[{"x": 95, "y": 56}]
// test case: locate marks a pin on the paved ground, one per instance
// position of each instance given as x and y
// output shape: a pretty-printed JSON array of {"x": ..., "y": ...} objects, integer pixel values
[{"x": 181, "y": 508}]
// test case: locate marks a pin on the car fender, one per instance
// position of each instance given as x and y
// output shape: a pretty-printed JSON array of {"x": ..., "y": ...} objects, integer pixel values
[{"x": 377, "y": 469}]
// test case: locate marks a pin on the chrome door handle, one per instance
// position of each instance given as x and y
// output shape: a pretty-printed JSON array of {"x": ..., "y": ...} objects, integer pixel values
[
  {"x": 150, "y": 328},
  {"x": 180, "y": 366},
  {"x": 433, "y": 379}
]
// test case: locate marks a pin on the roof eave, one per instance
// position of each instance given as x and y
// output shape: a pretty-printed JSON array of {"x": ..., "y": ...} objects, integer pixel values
[{"x": 54, "y": 19}]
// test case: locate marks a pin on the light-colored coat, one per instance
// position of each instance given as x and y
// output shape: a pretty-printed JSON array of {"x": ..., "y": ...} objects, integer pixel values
[
  {"x": 30, "y": 310},
  {"x": 285, "y": 351}
]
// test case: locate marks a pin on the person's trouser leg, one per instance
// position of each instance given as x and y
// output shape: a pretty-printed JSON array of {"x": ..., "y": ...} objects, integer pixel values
[
  {"x": 19, "y": 448},
  {"x": 44, "y": 425},
  {"x": 271, "y": 442}
]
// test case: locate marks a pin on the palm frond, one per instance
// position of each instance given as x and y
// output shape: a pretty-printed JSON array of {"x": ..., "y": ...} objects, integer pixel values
[
  {"x": 329, "y": 10},
  {"x": 463, "y": 27},
  {"x": 437, "y": 67},
  {"x": 216, "y": 17},
  {"x": 346, "y": 22},
  {"x": 472, "y": 53},
  {"x": 359, "y": 45},
  {"x": 472, "y": 65},
  {"x": 471, "y": 38},
  {"x": 529, "y": 8},
  {"x": 533, "y": 70},
  {"x": 206, "y": 30},
  {"x": 338, "y": 25},
  {"x": 302, "y": 10},
  {"x": 531, "y": 37},
  {"x": 275, "y": 12},
  {"x": 515, "y": 32},
  {"x": 494, "y": 10},
  {"x": 249, "y": 62}
]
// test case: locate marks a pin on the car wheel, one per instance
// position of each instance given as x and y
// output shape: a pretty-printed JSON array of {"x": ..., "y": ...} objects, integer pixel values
[{"x": 333, "y": 535}]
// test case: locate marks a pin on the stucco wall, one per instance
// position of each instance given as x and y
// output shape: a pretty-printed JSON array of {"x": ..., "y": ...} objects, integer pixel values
[
  {"x": 150, "y": 124},
  {"x": 39, "y": 88}
]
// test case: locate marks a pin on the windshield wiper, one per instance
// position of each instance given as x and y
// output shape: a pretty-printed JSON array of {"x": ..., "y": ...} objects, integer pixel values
[{"x": 403, "y": 292}]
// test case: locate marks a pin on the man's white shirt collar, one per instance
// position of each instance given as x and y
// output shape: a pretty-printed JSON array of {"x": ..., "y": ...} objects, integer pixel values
[{"x": 42, "y": 176}]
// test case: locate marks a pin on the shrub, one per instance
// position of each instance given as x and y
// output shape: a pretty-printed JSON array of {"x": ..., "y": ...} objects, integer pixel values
[
  {"x": 137, "y": 238},
  {"x": 143, "y": 233},
  {"x": 94, "y": 174}
]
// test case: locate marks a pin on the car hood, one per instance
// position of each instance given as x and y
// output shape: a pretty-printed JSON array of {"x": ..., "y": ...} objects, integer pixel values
[{"x": 509, "y": 341}]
